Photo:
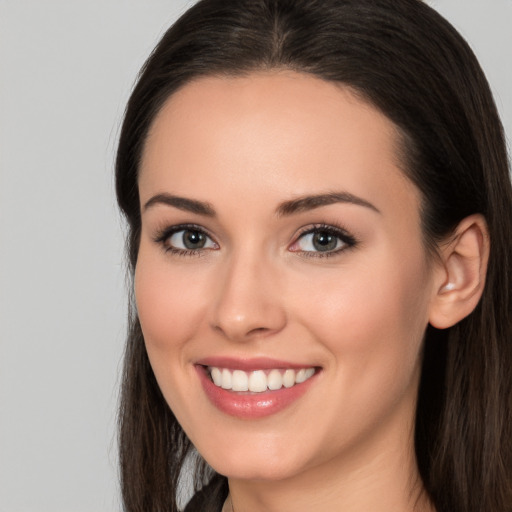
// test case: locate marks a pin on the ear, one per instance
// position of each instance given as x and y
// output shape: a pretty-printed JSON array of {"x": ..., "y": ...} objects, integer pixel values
[{"x": 460, "y": 276}]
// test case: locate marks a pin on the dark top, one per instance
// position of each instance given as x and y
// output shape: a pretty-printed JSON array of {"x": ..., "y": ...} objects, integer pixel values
[{"x": 211, "y": 497}]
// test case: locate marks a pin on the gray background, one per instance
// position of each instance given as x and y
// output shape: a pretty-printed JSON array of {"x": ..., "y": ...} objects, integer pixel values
[{"x": 66, "y": 70}]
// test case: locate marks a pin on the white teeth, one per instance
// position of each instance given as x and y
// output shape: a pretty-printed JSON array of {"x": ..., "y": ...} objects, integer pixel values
[
  {"x": 240, "y": 381},
  {"x": 274, "y": 380},
  {"x": 227, "y": 380},
  {"x": 301, "y": 376},
  {"x": 216, "y": 376},
  {"x": 258, "y": 380},
  {"x": 289, "y": 378}
]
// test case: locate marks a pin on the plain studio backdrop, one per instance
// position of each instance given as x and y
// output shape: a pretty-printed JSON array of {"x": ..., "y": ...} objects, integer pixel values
[{"x": 66, "y": 70}]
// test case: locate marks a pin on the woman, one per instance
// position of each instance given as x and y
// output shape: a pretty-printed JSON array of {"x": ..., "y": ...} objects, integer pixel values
[{"x": 318, "y": 202}]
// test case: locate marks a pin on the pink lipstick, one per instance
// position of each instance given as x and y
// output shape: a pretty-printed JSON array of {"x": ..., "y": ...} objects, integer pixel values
[{"x": 254, "y": 388}]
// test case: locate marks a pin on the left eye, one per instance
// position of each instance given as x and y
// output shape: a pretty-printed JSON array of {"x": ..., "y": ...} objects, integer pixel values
[
  {"x": 322, "y": 241},
  {"x": 189, "y": 240}
]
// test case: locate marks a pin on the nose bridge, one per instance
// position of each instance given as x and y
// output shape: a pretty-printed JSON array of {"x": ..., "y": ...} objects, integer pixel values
[{"x": 248, "y": 302}]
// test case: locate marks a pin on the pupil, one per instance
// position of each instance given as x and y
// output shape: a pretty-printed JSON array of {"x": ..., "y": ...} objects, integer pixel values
[
  {"x": 324, "y": 241},
  {"x": 193, "y": 239}
]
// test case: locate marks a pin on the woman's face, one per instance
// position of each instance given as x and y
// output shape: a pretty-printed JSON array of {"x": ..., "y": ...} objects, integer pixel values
[{"x": 281, "y": 250}]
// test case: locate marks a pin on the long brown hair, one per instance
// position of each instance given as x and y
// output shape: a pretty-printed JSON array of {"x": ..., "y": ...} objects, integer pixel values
[{"x": 410, "y": 63}]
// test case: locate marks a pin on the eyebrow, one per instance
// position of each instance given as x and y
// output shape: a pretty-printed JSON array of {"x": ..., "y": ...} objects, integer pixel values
[
  {"x": 305, "y": 203},
  {"x": 297, "y": 205},
  {"x": 182, "y": 203}
]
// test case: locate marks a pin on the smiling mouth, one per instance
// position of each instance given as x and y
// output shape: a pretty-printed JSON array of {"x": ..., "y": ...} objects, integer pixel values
[{"x": 258, "y": 381}]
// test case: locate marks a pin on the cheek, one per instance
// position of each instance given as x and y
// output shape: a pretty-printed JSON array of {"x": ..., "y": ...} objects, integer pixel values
[
  {"x": 373, "y": 318},
  {"x": 169, "y": 303},
  {"x": 372, "y": 324}
]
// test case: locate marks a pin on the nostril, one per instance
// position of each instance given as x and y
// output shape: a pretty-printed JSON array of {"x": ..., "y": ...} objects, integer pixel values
[
  {"x": 258, "y": 330},
  {"x": 238, "y": 332}
]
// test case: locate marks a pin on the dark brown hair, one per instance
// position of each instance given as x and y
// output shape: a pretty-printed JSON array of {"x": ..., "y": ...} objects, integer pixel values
[{"x": 411, "y": 64}]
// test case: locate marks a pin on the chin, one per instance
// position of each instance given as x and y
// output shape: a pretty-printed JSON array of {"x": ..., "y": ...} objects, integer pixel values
[
  {"x": 255, "y": 462},
  {"x": 258, "y": 470}
]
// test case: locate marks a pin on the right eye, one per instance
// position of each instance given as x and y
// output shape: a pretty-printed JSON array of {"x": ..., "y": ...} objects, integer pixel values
[{"x": 186, "y": 240}]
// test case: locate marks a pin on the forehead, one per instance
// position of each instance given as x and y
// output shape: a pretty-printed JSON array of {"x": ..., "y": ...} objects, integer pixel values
[{"x": 281, "y": 132}]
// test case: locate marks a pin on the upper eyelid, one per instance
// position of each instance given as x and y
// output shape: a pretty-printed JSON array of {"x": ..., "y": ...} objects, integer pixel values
[
  {"x": 349, "y": 241},
  {"x": 334, "y": 229},
  {"x": 164, "y": 235},
  {"x": 166, "y": 232}
]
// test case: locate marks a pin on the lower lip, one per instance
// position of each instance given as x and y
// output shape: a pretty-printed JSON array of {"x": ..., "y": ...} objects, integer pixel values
[{"x": 251, "y": 405}]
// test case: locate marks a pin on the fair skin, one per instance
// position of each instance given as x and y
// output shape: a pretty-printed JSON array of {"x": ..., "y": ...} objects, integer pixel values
[{"x": 263, "y": 284}]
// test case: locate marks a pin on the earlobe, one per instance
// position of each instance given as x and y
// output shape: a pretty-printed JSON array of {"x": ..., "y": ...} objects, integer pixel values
[{"x": 461, "y": 274}]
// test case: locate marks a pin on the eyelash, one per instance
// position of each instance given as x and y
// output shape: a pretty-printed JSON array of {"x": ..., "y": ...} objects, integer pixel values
[
  {"x": 347, "y": 240},
  {"x": 163, "y": 236}
]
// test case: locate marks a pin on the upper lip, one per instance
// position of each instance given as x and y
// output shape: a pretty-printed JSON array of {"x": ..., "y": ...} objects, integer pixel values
[{"x": 250, "y": 364}]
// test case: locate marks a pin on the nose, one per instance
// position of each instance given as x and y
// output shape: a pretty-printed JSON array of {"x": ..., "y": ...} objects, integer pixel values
[{"x": 249, "y": 302}]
